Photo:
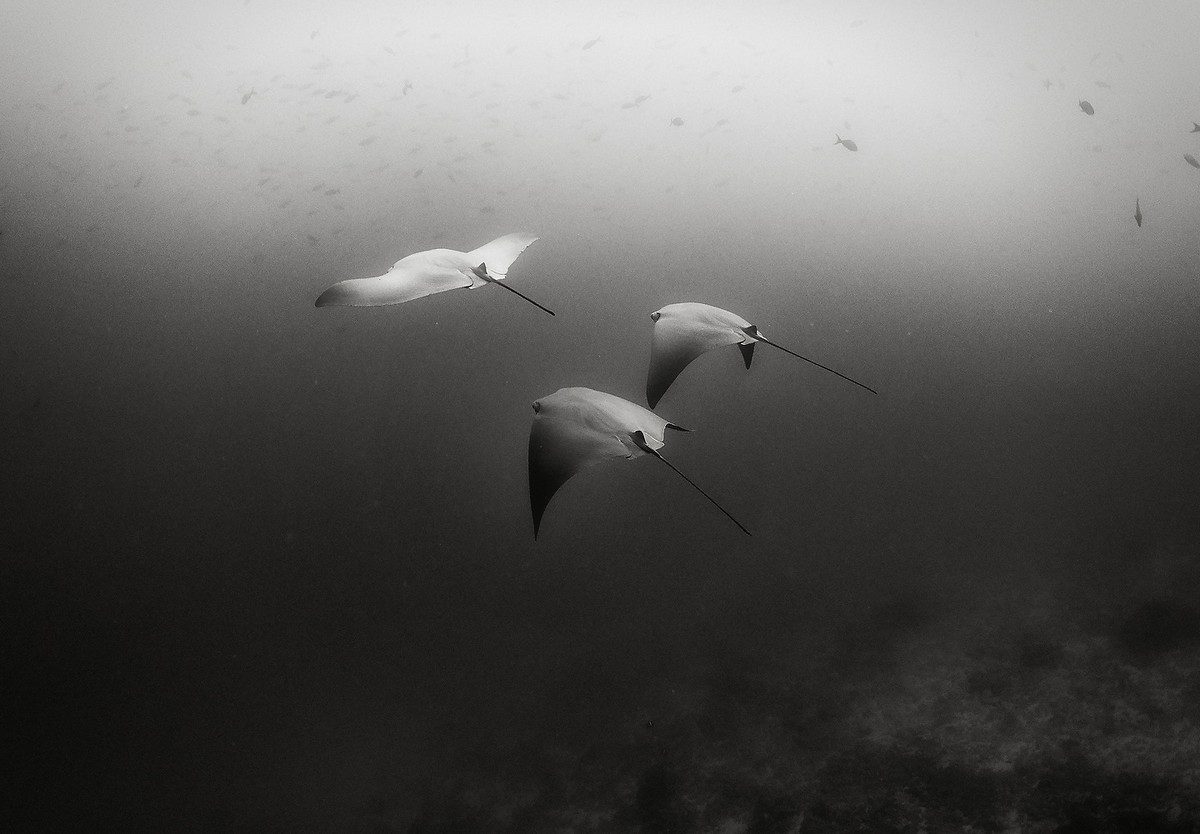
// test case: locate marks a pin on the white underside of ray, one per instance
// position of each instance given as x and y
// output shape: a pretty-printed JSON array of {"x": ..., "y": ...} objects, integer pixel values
[
  {"x": 426, "y": 273},
  {"x": 681, "y": 333}
]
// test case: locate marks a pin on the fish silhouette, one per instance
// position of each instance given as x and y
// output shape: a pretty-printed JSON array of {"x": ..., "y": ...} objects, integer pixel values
[
  {"x": 848, "y": 144},
  {"x": 1137, "y": 211},
  {"x": 1086, "y": 107},
  {"x": 1191, "y": 160}
]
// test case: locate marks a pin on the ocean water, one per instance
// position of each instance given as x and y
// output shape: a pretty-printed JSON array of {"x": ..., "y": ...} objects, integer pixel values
[{"x": 271, "y": 567}]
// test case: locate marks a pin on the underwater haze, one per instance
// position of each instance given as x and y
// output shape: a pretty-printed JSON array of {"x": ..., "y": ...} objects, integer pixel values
[{"x": 271, "y": 567}]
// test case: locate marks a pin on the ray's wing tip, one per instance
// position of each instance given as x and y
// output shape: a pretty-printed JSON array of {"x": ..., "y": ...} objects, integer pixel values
[
  {"x": 524, "y": 240},
  {"x": 539, "y": 510},
  {"x": 654, "y": 395},
  {"x": 334, "y": 295},
  {"x": 657, "y": 385}
]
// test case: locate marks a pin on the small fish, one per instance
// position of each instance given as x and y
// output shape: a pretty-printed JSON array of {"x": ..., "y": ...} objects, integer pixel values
[
  {"x": 737, "y": 88},
  {"x": 1104, "y": 84},
  {"x": 407, "y": 87},
  {"x": 367, "y": 141},
  {"x": 678, "y": 122},
  {"x": 1195, "y": 127},
  {"x": 640, "y": 99},
  {"x": 591, "y": 43},
  {"x": 848, "y": 144},
  {"x": 1191, "y": 160},
  {"x": 1137, "y": 211},
  {"x": 417, "y": 173},
  {"x": 246, "y": 97},
  {"x": 1086, "y": 107}
]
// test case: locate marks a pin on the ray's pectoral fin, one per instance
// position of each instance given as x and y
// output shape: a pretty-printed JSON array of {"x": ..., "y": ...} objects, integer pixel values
[
  {"x": 482, "y": 273},
  {"x": 558, "y": 449},
  {"x": 753, "y": 333},
  {"x": 555, "y": 454},
  {"x": 747, "y": 353},
  {"x": 665, "y": 366},
  {"x": 640, "y": 439}
]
